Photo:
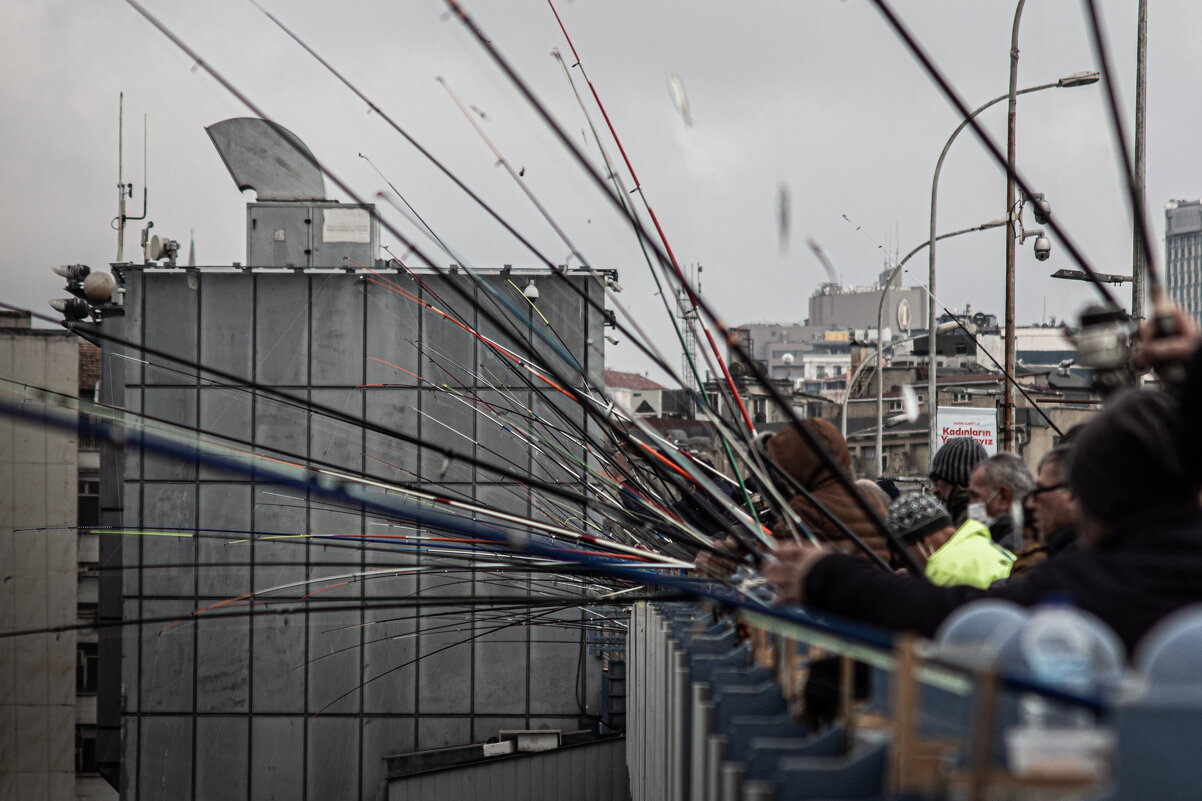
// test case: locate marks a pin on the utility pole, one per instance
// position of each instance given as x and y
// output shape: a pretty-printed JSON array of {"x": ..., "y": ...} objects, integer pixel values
[
  {"x": 1008, "y": 401},
  {"x": 1138, "y": 265}
]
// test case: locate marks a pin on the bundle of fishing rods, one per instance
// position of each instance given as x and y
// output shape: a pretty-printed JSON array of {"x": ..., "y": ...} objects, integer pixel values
[{"x": 649, "y": 506}]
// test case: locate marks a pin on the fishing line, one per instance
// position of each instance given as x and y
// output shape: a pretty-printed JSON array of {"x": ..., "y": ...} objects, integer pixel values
[
  {"x": 408, "y": 205},
  {"x": 955, "y": 318},
  {"x": 360, "y": 94},
  {"x": 778, "y": 399},
  {"x": 405, "y": 135},
  {"x": 421, "y": 497},
  {"x": 949, "y": 92},
  {"x": 639, "y": 189},
  {"x": 229, "y": 87}
]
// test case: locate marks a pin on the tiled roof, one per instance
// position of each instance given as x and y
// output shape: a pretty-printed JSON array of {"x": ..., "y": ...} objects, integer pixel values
[{"x": 616, "y": 378}]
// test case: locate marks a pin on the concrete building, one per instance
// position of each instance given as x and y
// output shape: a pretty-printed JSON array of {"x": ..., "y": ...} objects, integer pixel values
[
  {"x": 1183, "y": 255},
  {"x": 833, "y": 307},
  {"x": 48, "y": 488},
  {"x": 643, "y": 396},
  {"x": 1066, "y": 399},
  {"x": 819, "y": 349},
  {"x": 311, "y": 703}
]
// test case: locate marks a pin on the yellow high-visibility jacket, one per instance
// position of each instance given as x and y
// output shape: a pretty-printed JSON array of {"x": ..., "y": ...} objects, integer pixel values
[{"x": 970, "y": 557}]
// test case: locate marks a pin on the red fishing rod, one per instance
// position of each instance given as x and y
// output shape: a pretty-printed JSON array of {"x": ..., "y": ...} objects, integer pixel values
[{"x": 638, "y": 187}]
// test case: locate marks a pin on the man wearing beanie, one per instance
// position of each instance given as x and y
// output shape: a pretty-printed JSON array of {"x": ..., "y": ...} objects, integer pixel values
[
  {"x": 1136, "y": 479},
  {"x": 953, "y": 556},
  {"x": 950, "y": 471}
]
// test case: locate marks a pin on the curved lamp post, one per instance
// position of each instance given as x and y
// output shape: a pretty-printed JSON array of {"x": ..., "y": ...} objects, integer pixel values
[
  {"x": 880, "y": 313},
  {"x": 1069, "y": 81}
]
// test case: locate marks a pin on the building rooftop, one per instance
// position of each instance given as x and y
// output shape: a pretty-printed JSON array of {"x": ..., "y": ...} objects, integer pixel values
[{"x": 621, "y": 380}]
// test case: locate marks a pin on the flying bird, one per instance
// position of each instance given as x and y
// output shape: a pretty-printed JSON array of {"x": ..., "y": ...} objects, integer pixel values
[
  {"x": 784, "y": 213},
  {"x": 679, "y": 98}
]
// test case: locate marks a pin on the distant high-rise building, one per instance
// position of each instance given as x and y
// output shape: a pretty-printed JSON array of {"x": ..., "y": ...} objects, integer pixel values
[{"x": 1183, "y": 254}]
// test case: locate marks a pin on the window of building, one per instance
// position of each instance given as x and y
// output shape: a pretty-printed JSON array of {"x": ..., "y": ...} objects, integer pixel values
[
  {"x": 85, "y": 667},
  {"x": 85, "y": 749},
  {"x": 88, "y": 513}
]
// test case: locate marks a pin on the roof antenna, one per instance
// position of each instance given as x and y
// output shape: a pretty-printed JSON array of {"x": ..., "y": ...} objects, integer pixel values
[{"x": 125, "y": 190}]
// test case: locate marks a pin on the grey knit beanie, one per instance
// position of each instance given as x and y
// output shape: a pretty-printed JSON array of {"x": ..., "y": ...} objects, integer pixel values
[
  {"x": 915, "y": 515},
  {"x": 956, "y": 460}
]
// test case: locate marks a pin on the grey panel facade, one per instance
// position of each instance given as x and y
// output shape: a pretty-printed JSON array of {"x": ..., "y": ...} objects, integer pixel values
[{"x": 306, "y": 705}]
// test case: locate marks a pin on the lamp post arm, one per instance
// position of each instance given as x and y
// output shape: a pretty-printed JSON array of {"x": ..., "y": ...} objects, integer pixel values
[
  {"x": 880, "y": 310},
  {"x": 931, "y": 438}
]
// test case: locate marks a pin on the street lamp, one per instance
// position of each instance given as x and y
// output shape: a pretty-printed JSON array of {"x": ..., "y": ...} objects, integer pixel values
[
  {"x": 1105, "y": 278},
  {"x": 880, "y": 310},
  {"x": 1076, "y": 79},
  {"x": 1069, "y": 81}
]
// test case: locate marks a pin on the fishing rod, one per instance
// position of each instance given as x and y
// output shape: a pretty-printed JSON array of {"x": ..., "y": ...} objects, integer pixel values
[
  {"x": 733, "y": 342},
  {"x": 375, "y": 108},
  {"x": 340, "y": 474},
  {"x": 88, "y": 331},
  {"x": 951, "y": 95},
  {"x": 286, "y": 608},
  {"x": 166, "y": 428},
  {"x": 654, "y": 219},
  {"x": 700, "y": 398},
  {"x": 408, "y": 205},
  {"x": 1163, "y": 321},
  {"x": 237, "y": 93},
  {"x": 631, "y": 320},
  {"x": 468, "y": 328},
  {"x": 233, "y": 90},
  {"x": 420, "y": 657},
  {"x": 662, "y": 364},
  {"x": 370, "y": 501}
]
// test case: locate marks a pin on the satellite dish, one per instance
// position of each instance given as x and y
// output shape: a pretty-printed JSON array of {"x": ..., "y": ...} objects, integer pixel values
[
  {"x": 160, "y": 247},
  {"x": 787, "y": 358}
]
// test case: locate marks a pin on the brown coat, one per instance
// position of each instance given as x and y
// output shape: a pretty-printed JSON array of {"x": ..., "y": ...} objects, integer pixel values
[{"x": 789, "y": 450}]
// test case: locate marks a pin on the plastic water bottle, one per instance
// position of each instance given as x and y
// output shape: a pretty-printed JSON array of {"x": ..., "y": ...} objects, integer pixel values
[{"x": 1071, "y": 651}]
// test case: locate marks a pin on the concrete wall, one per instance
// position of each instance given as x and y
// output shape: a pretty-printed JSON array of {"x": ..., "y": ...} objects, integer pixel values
[
  {"x": 38, "y": 567},
  {"x": 306, "y": 705},
  {"x": 595, "y": 772},
  {"x": 852, "y": 309}
]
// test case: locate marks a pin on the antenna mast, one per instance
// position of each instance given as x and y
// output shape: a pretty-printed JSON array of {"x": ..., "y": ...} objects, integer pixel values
[
  {"x": 689, "y": 317},
  {"x": 125, "y": 190},
  {"x": 120, "y": 178}
]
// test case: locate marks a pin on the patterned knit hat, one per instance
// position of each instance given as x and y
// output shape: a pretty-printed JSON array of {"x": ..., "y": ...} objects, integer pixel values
[
  {"x": 956, "y": 460},
  {"x": 914, "y": 515}
]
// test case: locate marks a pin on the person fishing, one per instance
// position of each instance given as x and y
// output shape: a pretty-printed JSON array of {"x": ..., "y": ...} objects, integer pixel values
[{"x": 1136, "y": 476}]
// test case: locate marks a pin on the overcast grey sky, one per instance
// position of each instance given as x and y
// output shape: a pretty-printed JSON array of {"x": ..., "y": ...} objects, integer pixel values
[{"x": 818, "y": 95}]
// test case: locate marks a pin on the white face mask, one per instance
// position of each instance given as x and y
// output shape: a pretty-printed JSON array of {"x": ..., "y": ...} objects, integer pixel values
[{"x": 977, "y": 512}]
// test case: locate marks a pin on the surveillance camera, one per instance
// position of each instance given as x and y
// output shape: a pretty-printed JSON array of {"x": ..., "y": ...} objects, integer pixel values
[
  {"x": 1041, "y": 208},
  {"x": 1043, "y": 247}
]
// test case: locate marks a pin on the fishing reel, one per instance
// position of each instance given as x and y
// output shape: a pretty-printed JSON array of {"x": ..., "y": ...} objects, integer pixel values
[{"x": 1105, "y": 342}]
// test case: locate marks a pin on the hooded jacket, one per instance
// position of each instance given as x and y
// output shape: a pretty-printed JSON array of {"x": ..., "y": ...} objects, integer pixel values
[{"x": 789, "y": 449}]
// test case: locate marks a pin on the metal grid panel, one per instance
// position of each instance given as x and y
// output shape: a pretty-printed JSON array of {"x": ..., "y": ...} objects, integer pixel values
[{"x": 327, "y": 338}]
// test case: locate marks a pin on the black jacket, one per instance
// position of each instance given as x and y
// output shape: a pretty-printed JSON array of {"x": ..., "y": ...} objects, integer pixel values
[{"x": 1150, "y": 566}]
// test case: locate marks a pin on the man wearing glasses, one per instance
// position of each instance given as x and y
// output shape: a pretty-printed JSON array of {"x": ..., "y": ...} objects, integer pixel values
[{"x": 1054, "y": 508}]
